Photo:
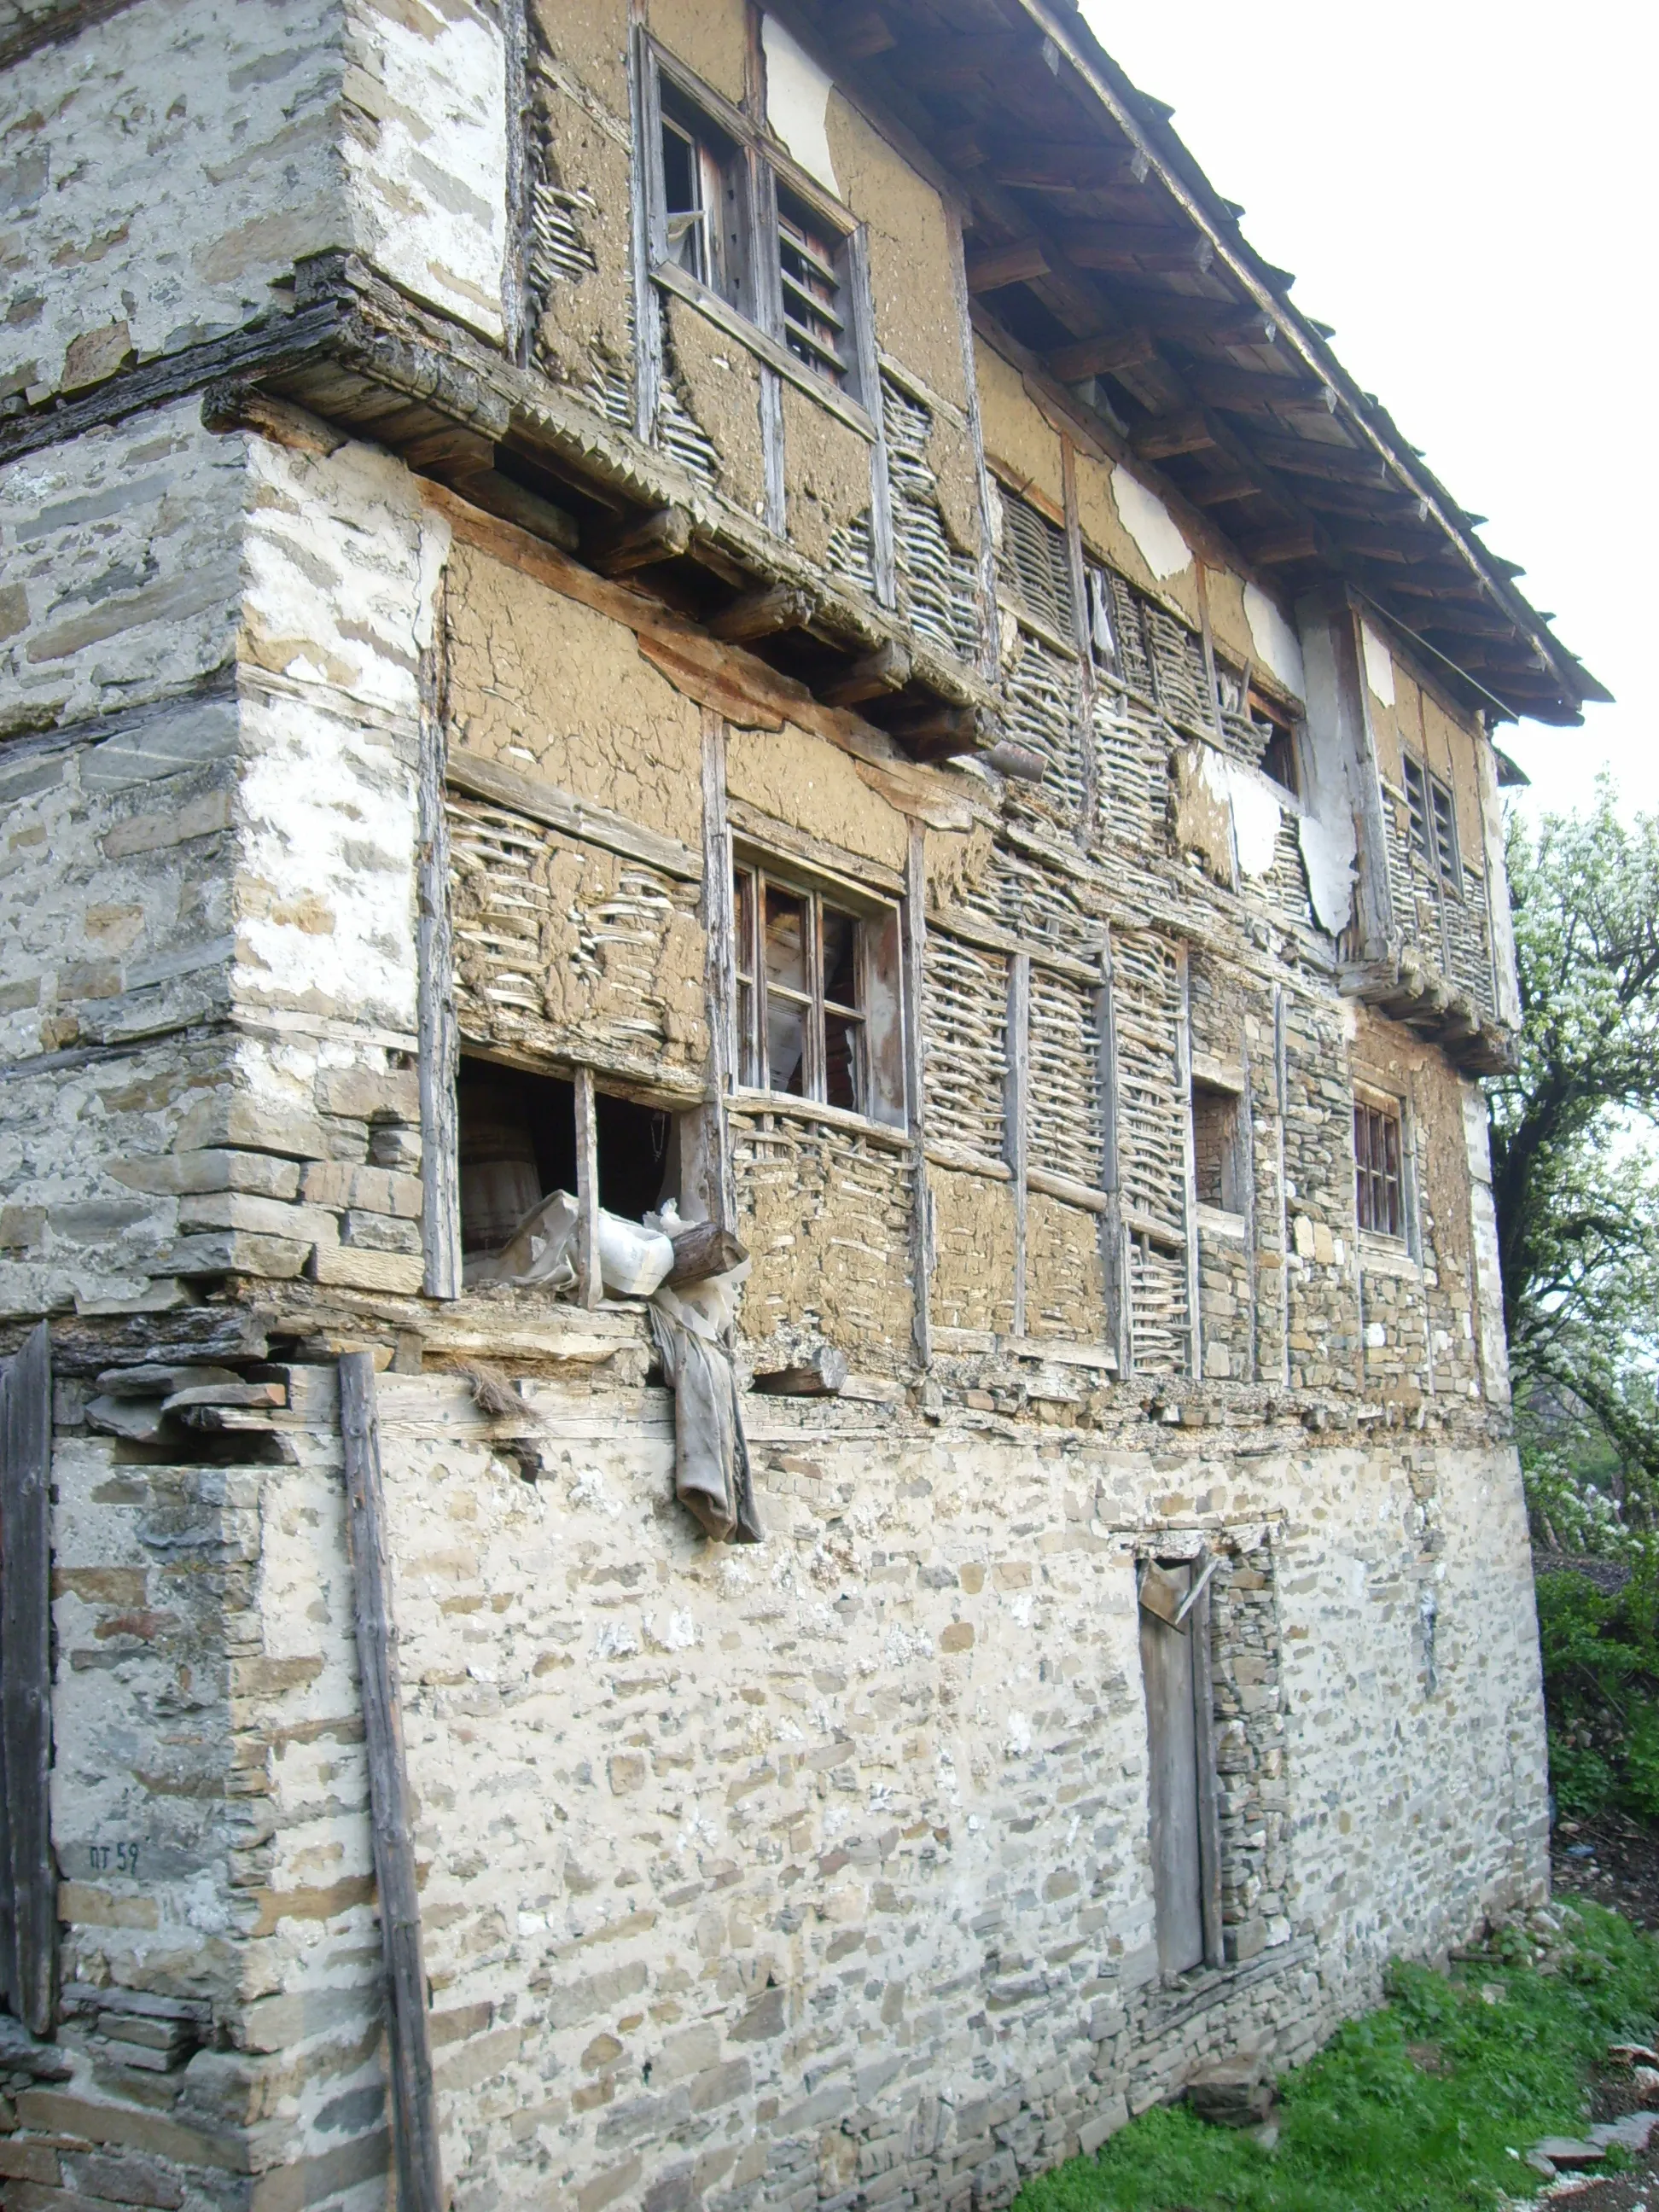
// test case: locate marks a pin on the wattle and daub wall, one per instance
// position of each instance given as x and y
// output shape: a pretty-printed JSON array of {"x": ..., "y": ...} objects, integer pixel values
[{"x": 817, "y": 1872}]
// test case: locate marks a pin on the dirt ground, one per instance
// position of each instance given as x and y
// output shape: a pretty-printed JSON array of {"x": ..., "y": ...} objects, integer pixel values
[{"x": 1612, "y": 1860}]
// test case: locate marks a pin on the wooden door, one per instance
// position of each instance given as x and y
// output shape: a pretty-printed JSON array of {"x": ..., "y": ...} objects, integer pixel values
[{"x": 1166, "y": 1667}]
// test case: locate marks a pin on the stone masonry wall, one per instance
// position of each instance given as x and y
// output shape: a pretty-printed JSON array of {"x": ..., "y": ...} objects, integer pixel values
[{"x": 818, "y": 1868}]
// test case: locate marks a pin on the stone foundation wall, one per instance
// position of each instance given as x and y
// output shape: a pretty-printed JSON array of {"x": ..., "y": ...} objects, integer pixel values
[{"x": 751, "y": 1875}]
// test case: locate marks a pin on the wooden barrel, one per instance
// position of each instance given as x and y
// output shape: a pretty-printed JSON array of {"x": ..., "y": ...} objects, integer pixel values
[{"x": 499, "y": 1180}]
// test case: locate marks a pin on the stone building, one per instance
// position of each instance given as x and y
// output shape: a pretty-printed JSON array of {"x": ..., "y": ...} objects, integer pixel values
[{"x": 658, "y": 601}]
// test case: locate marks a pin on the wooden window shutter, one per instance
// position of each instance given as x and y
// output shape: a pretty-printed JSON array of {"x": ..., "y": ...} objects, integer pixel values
[{"x": 28, "y": 1881}]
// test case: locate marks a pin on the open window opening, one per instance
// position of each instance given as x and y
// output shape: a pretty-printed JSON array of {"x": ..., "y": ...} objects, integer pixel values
[
  {"x": 1379, "y": 1181},
  {"x": 818, "y": 1012},
  {"x": 518, "y": 1145},
  {"x": 1181, "y": 1784},
  {"x": 1218, "y": 1123},
  {"x": 704, "y": 199},
  {"x": 1276, "y": 728}
]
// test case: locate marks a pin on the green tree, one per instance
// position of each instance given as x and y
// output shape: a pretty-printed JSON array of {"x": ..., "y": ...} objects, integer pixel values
[{"x": 1574, "y": 1170}]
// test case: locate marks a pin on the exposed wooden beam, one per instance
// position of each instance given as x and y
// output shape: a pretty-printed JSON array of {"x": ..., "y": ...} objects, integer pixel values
[
  {"x": 998, "y": 266},
  {"x": 886, "y": 669},
  {"x": 662, "y": 535},
  {"x": 1252, "y": 391},
  {"x": 762, "y": 613},
  {"x": 1311, "y": 458},
  {"x": 1191, "y": 432},
  {"x": 1103, "y": 355},
  {"x": 1283, "y": 546},
  {"x": 1039, "y": 168},
  {"x": 1224, "y": 490},
  {"x": 864, "y": 33},
  {"x": 1178, "y": 315},
  {"x": 1130, "y": 247}
]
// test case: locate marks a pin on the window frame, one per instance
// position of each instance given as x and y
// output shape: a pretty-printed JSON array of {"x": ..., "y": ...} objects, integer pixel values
[
  {"x": 1381, "y": 1108},
  {"x": 884, "y": 1102},
  {"x": 1434, "y": 805},
  {"x": 754, "y": 311}
]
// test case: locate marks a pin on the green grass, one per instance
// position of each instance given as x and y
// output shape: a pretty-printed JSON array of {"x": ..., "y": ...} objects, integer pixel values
[{"x": 1415, "y": 2108}]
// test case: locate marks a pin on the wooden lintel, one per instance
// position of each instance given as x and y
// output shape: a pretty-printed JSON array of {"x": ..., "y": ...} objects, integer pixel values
[
  {"x": 887, "y": 668},
  {"x": 1007, "y": 265},
  {"x": 1102, "y": 356},
  {"x": 662, "y": 535},
  {"x": 762, "y": 613}
]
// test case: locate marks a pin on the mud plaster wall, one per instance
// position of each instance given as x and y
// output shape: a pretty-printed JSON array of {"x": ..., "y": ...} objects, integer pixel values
[
  {"x": 818, "y": 1863},
  {"x": 972, "y": 1283},
  {"x": 590, "y": 42},
  {"x": 913, "y": 258},
  {"x": 1104, "y": 528},
  {"x": 719, "y": 384},
  {"x": 814, "y": 787},
  {"x": 1229, "y": 625},
  {"x": 549, "y": 688},
  {"x": 157, "y": 172},
  {"x": 580, "y": 272},
  {"x": 826, "y": 1216},
  {"x": 709, "y": 36},
  {"x": 564, "y": 950},
  {"x": 826, "y": 474},
  {"x": 1015, "y": 434},
  {"x": 1064, "y": 1288}
]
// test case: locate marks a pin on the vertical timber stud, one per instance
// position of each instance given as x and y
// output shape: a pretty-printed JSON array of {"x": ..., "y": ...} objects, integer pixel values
[
  {"x": 1114, "y": 1270},
  {"x": 440, "y": 1189},
  {"x": 1281, "y": 1088},
  {"x": 1084, "y": 736},
  {"x": 1016, "y": 1113},
  {"x": 1209, "y": 1826},
  {"x": 1188, "y": 1164},
  {"x": 414, "y": 2113},
  {"x": 646, "y": 189},
  {"x": 717, "y": 1191},
  {"x": 760, "y": 256},
  {"x": 587, "y": 1189},
  {"x": 1245, "y": 1154},
  {"x": 515, "y": 260},
  {"x": 915, "y": 1048},
  {"x": 31, "y": 1969},
  {"x": 875, "y": 399},
  {"x": 989, "y": 633}
]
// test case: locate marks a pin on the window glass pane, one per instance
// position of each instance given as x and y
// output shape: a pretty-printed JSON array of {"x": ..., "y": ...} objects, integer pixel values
[
  {"x": 785, "y": 1044},
  {"x": 843, "y": 1057},
  {"x": 747, "y": 1070},
  {"x": 743, "y": 903},
  {"x": 786, "y": 940},
  {"x": 840, "y": 938}
]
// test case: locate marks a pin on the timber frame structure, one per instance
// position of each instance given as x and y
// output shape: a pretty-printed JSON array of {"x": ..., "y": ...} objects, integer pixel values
[{"x": 751, "y": 640}]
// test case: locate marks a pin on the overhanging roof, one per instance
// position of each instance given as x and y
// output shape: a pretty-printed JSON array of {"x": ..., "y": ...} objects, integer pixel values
[{"x": 1096, "y": 240}]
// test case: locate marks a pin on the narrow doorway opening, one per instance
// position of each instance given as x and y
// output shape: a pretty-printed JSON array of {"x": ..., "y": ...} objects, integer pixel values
[{"x": 1175, "y": 1664}]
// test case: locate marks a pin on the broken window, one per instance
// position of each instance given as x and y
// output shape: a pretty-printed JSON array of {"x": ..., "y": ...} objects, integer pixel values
[
  {"x": 812, "y": 264},
  {"x": 1217, "y": 1119},
  {"x": 1277, "y": 732},
  {"x": 704, "y": 211},
  {"x": 1175, "y": 1664},
  {"x": 518, "y": 1145},
  {"x": 817, "y": 996},
  {"x": 729, "y": 211},
  {"x": 1431, "y": 823},
  {"x": 1378, "y": 1183}
]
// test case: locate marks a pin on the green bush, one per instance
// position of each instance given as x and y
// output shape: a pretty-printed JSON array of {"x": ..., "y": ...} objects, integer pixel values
[{"x": 1601, "y": 1657}]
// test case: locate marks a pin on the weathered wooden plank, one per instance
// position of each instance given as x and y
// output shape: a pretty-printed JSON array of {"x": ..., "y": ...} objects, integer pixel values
[
  {"x": 1209, "y": 1822},
  {"x": 915, "y": 923},
  {"x": 562, "y": 810},
  {"x": 31, "y": 1968},
  {"x": 1016, "y": 1114},
  {"x": 1168, "y": 1672},
  {"x": 414, "y": 2113}
]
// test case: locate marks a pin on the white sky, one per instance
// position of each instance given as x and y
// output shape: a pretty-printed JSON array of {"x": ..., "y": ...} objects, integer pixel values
[{"x": 1465, "y": 191}]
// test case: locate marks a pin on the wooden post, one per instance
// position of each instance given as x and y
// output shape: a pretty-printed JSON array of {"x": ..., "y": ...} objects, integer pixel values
[
  {"x": 440, "y": 1187},
  {"x": 28, "y": 1881},
  {"x": 718, "y": 1191},
  {"x": 914, "y": 925},
  {"x": 1016, "y": 1109},
  {"x": 414, "y": 2113},
  {"x": 587, "y": 1189},
  {"x": 1189, "y": 1166},
  {"x": 1114, "y": 1261}
]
